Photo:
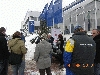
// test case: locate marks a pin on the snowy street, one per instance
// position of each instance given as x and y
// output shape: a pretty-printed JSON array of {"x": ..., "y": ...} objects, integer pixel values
[{"x": 31, "y": 65}]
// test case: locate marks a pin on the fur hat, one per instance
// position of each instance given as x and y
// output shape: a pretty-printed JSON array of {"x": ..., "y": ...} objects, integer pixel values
[{"x": 44, "y": 36}]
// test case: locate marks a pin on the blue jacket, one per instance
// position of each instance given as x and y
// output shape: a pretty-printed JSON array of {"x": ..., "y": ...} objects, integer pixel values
[{"x": 67, "y": 56}]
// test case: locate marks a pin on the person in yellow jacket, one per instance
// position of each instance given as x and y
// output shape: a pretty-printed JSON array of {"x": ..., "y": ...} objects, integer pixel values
[
  {"x": 17, "y": 45},
  {"x": 79, "y": 53}
]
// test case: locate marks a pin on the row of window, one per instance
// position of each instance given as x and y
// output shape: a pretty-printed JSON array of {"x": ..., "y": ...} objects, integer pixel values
[{"x": 35, "y": 18}]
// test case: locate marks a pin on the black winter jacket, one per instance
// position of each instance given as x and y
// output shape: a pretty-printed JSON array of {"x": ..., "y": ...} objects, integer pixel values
[
  {"x": 97, "y": 41},
  {"x": 4, "y": 53}
]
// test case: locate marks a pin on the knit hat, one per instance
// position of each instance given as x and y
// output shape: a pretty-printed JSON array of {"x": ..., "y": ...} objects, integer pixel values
[{"x": 78, "y": 28}]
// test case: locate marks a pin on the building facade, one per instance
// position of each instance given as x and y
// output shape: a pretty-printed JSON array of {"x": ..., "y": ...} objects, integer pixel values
[
  {"x": 82, "y": 12},
  {"x": 30, "y": 16}
]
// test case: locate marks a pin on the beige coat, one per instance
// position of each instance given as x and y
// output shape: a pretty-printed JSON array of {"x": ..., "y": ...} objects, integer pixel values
[{"x": 17, "y": 46}]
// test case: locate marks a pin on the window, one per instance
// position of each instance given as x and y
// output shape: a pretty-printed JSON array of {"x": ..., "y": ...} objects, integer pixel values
[
  {"x": 33, "y": 18},
  {"x": 38, "y": 19}
]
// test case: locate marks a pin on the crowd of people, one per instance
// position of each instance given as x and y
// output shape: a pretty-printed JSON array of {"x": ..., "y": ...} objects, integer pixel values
[
  {"x": 15, "y": 45},
  {"x": 79, "y": 55}
]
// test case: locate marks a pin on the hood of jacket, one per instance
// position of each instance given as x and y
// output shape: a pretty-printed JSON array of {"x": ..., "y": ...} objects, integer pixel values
[
  {"x": 97, "y": 38},
  {"x": 12, "y": 42},
  {"x": 1, "y": 34},
  {"x": 80, "y": 33}
]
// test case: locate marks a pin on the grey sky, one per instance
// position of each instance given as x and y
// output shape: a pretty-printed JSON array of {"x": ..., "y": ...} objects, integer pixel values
[{"x": 12, "y": 12}]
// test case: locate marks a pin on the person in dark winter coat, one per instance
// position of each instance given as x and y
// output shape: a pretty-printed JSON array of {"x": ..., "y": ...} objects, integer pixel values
[
  {"x": 79, "y": 53},
  {"x": 4, "y": 53},
  {"x": 96, "y": 38},
  {"x": 42, "y": 56},
  {"x": 50, "y": 39},
  {"x": 60, "y": 44}
]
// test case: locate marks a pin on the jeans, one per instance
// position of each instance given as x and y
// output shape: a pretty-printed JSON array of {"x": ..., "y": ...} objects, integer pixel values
[
  {"x": 4, "y": 67},
  {"x": 69, "y": 72},
  {"x": 19, "y": 68},
  {"x": 97, "y": 68}
]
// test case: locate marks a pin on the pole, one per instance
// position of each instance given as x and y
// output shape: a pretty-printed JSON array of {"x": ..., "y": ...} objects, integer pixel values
[
  {"x": 84, "y": 17},
  {"x": 70, "y": 23},
  {"x": 53, "y": 22},
  {"x": 95, "y": 14},
  {"x": 63, "y": 22},
  {"x": 76, "y": 16}
]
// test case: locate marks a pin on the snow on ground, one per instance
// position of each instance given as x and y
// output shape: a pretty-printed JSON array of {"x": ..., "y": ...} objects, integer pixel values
[{"x": 30, "y": 64}]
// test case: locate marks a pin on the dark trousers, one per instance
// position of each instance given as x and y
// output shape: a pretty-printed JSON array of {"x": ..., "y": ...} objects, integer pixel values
[
  {"x": 4, "y": 67},
  {"x": 97, "y": 69},
  {"x": 61, "y": 59},
  {"x": 48, "y": 71}
]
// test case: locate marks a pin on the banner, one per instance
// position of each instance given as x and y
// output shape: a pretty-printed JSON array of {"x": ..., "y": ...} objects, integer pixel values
[
  {"x": 55, "y": 32},
  {"x": 43, "y": 15},
  {"x": 31, "y": 26},
  {"x": 50, "y": 15},
  {"x": 58, "y": 12}
]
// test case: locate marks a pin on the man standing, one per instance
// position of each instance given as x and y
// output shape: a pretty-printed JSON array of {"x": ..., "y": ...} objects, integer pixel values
[
  {"x": 4, "y": 53},
  {"x": 50, "y": 39},
  {"x": 79, "y": 53},
  {"x": 96, "y": 38}
]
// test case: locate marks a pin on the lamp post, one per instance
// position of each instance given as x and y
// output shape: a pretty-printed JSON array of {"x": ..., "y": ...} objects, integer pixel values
[
  {"x": 95, "y": 14},
  {"x": 88, "y": 17}
]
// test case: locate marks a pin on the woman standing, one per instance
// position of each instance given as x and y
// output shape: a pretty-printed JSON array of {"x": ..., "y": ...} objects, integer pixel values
[
  {"x": 42, "y": 56},
  {"x": 16, "y": 45},
  {"x": 60, "y": 44}
]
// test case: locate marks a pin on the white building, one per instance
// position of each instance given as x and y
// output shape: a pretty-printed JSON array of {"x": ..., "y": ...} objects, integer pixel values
[
  {"x": 82, "y": 12},
  {"x": 30, "y": 15}
]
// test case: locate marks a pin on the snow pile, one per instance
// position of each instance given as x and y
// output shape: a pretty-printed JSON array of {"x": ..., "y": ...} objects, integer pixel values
[{"x": 30, "y": 47}]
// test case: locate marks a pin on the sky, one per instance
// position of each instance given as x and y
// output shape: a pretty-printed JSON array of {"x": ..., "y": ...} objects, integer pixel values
[{"x": 12, "y": 12}]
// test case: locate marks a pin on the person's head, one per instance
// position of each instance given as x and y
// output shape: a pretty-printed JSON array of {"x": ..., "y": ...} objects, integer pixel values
[
  {"x": 3, "y": 30},
  {"x": 49, "y": 35},
  {"x": 95, "y": 32},
  {"x": 44, "y": 36},
  {"x": 17, "y": 34},
  {"x": 60, "y": 36},
  {"x": 78, "y": 29}
]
